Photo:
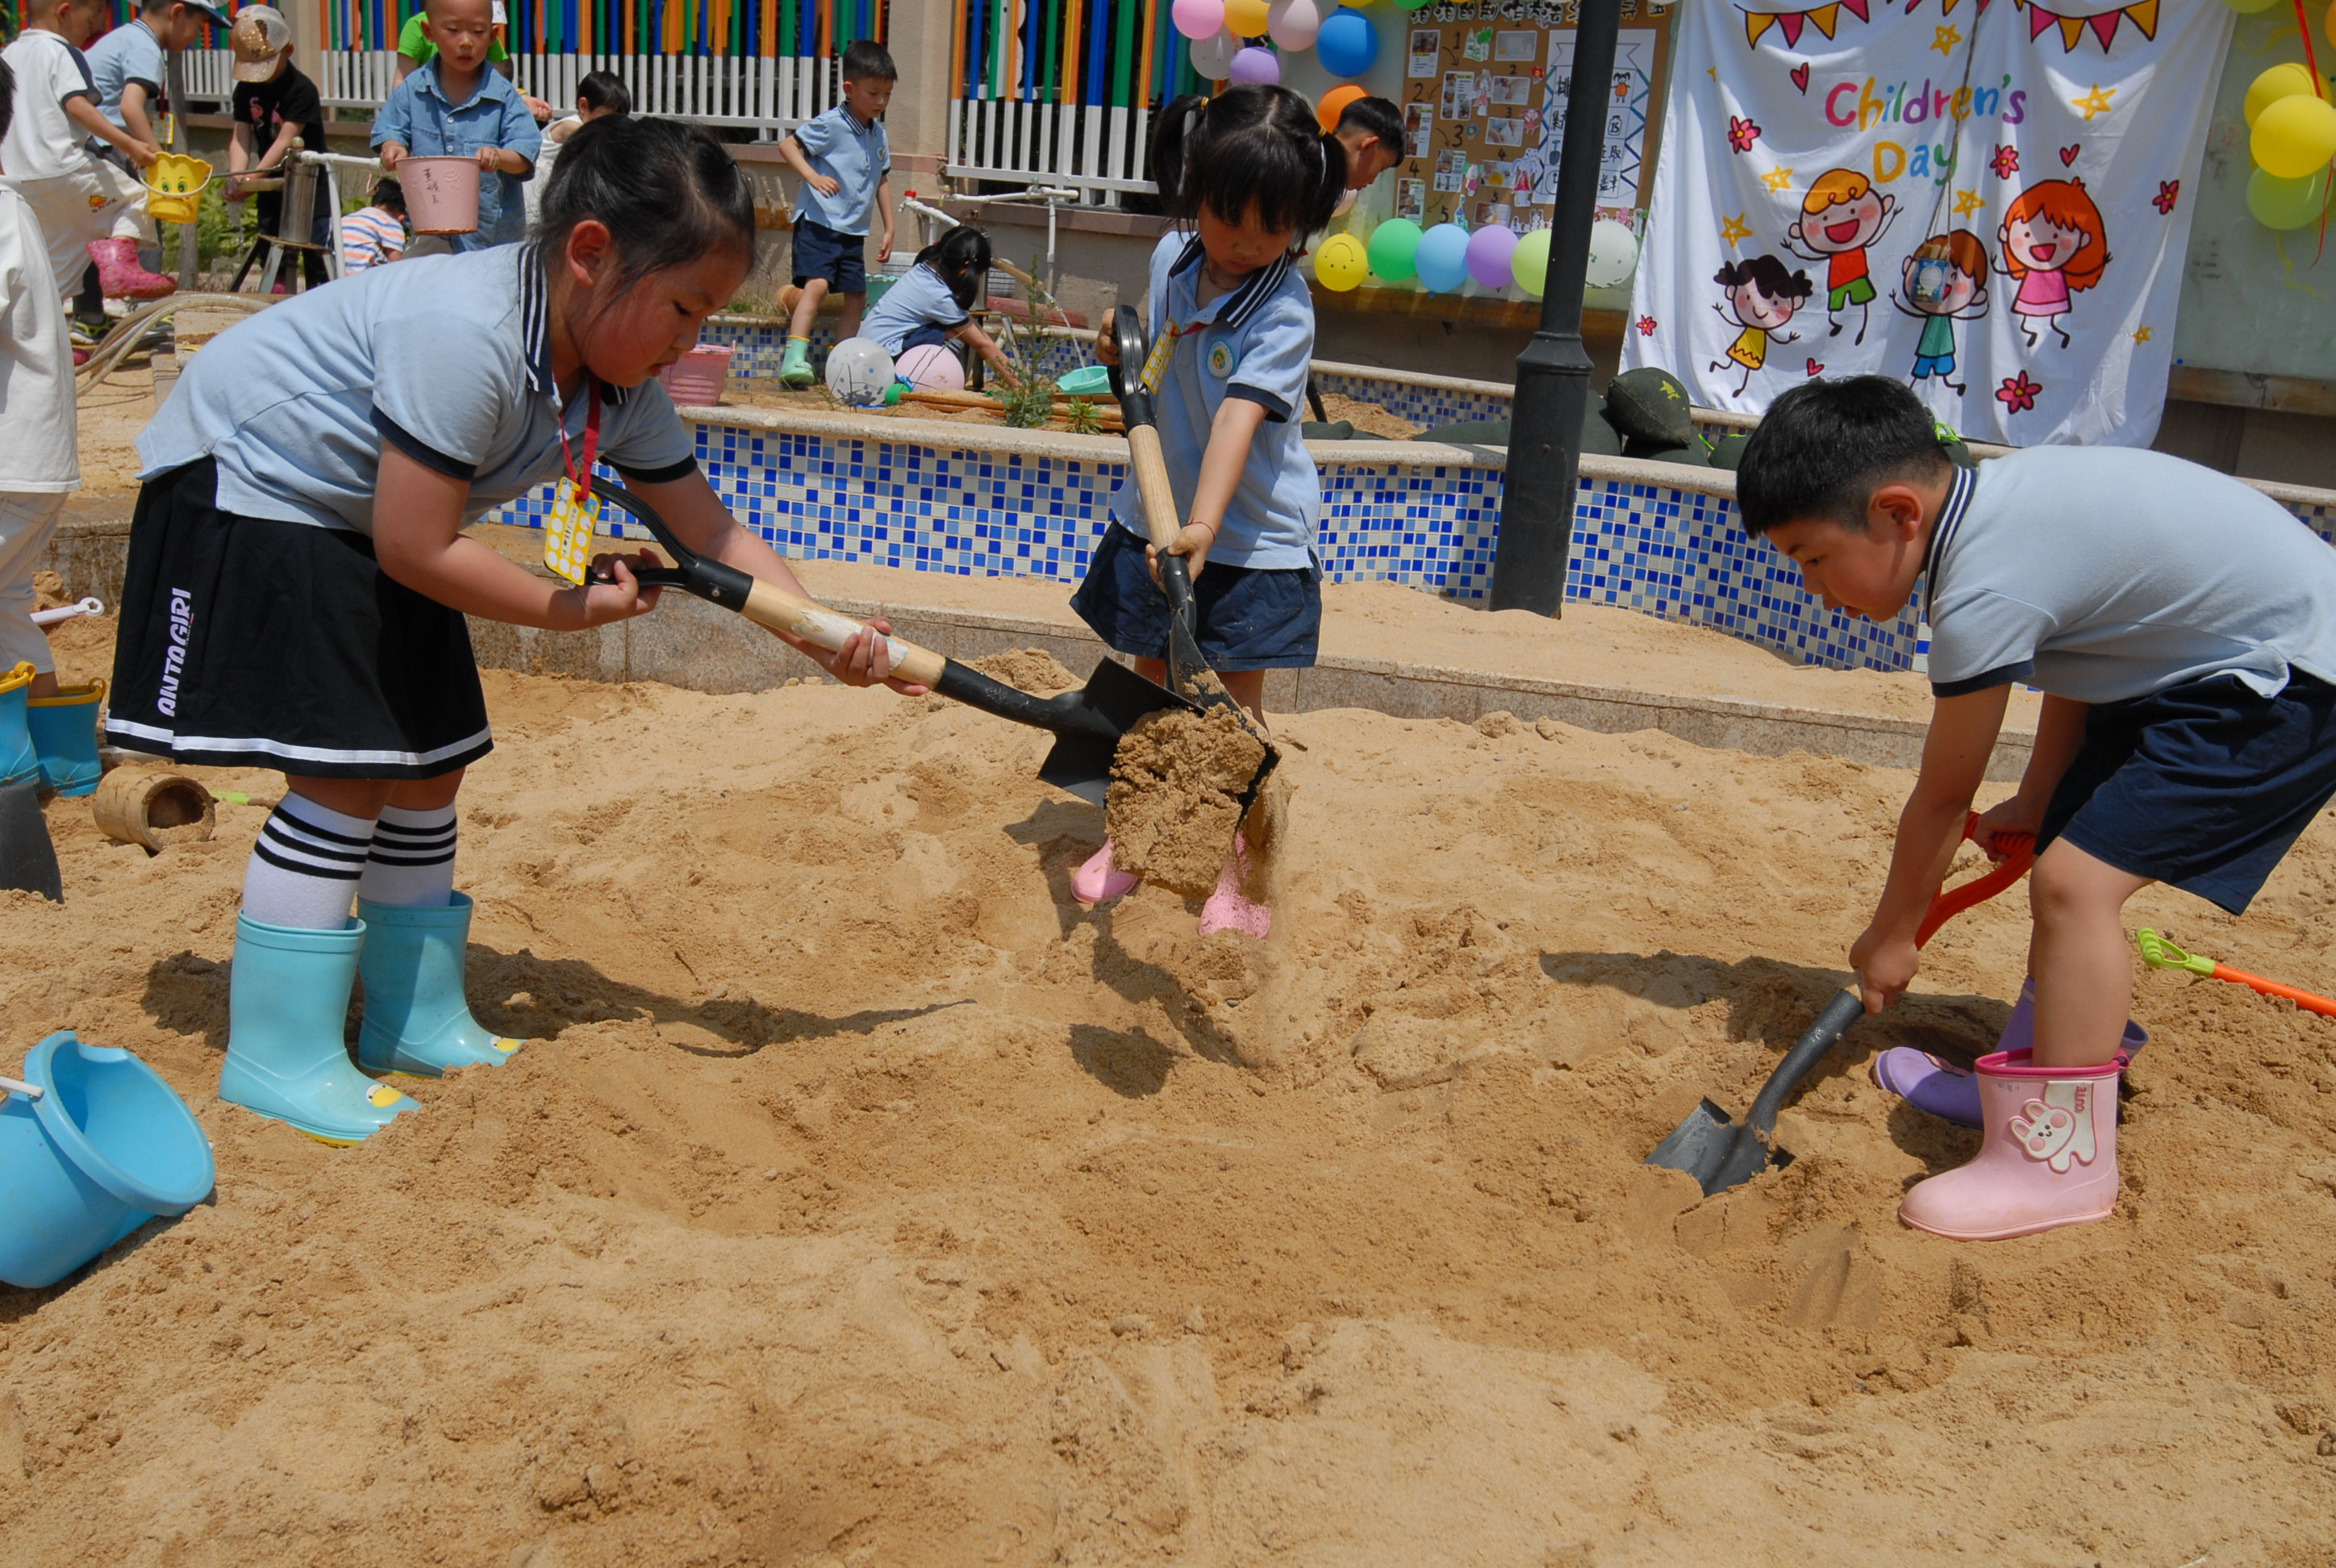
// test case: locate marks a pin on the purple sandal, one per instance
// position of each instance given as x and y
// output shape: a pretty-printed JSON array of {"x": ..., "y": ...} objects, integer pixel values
[{"x": 1951, "y": 1093}]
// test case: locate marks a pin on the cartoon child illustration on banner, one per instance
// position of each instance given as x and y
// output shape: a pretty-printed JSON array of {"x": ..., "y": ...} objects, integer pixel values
[
  {"x": 1945, "y": 280},
  {"x": 2054, "y": 242},
  {"x": 1840, "y": 217},
  {"x": 1761, "y": 296}
]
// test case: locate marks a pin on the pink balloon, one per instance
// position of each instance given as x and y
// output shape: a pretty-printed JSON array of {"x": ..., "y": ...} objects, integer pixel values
[
  {"x": 1198, "y": 19},
  {"x": 1262, "y": 66},
  {"x": 1489, "y": 251},
  {"x": 932, "y": 366},
  {"x": 1293, "y": 24}
]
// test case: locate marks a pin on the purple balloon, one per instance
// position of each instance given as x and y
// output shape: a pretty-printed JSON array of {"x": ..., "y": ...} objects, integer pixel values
[
  {"x": 1489, "y": 250},
  {"x": 1261, "y": 67}
]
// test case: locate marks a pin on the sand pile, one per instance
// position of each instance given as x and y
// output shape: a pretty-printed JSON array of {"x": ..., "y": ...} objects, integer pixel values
[
  {"x": 863, "y": 1201},
  {"x": 1179, "y": 783}
]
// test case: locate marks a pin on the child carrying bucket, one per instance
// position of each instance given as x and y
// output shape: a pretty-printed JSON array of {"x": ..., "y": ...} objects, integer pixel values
[
  {"x": 1249, "y": 177},
  {"x": 299, "y": 578},
  {"x": 455, "y": 107},
  {"x": 2188, "y": 735}
]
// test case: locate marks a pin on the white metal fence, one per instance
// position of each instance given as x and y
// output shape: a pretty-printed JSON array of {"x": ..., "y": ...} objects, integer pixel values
[{"x": 1089, "y": 146}]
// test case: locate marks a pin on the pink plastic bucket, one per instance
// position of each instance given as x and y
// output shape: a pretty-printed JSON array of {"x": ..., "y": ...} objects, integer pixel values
[
  {"x": 697, "y": 376},
  {"x": 442, "y": 194}
]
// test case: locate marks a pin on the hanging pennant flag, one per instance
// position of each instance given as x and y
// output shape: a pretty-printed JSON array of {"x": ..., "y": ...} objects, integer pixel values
[
  {"x": 2103, "y": 25},
  {"x": 1824, "y": 19}
]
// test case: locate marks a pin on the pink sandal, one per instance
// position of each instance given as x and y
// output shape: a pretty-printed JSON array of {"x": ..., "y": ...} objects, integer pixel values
[
  {"x": 1095, "y": 882},
  {"x": 1227, "y": 908}
]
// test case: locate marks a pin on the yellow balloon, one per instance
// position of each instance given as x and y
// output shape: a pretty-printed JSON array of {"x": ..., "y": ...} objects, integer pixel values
[
  {"x": 2283, "y": 80},
  {"x": 2295, "y": 135},
  {"x": 1342, "y": 263},
  {"x": 1245, "y": 18}
]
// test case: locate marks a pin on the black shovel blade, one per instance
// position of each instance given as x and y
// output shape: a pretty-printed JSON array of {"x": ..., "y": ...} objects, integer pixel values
[
  {"x": 1717, "y": 1150},
  {"x": 1088, "y": 723}
]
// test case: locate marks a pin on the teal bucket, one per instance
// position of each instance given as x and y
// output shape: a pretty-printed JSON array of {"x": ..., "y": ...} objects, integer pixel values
[{"x": 92, "y": 1145}]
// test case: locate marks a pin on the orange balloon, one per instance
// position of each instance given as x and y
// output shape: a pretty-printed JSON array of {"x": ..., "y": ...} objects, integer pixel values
[{"x": 1334, "y": 104}]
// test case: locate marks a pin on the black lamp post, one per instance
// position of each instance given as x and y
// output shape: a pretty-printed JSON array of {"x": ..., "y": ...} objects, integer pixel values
[{"x": 1554, "y": 371}]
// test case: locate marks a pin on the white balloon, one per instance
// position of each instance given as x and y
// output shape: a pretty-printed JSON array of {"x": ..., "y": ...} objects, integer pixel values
[
  {"x": 858, "y": 372},
  {"x": 1293, "y": 23},
  {"x": 1613, "y": 255},
  {"x": 1212, "y": 58}
]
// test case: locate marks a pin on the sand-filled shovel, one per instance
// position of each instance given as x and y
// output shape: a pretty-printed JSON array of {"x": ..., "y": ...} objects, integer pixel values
[
  {"x": 1088, "y": 724},
  {"x": 1720, "y": 1154}
]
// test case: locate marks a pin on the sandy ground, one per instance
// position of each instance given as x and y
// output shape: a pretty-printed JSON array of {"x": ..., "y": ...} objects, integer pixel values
[{"x": 861, "y": 1201}]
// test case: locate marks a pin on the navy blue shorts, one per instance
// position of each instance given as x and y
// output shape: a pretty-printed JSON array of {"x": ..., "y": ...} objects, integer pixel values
[
  {"x": 924, "y": 337},
  {"x": 2203, "y": 785},
  {"x": 1251, "y": 618},
  {"x": 840, "y": 258}
]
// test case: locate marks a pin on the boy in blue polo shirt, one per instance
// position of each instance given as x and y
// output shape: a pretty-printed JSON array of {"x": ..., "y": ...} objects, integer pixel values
[
  {"x": 841, "y": 157},
  {"x": 2182, "y": 628},
  {"x": 456, "y": 107}
]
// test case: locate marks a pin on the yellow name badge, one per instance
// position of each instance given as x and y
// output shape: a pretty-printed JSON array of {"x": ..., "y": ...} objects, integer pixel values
[
  {"x": 567, "y": 532},
  {"x": 1156, "y": 366}
]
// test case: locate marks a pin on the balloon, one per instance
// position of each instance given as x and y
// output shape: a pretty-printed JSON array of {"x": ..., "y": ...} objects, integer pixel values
[
  {"x": 1199, "y": 19},
  {"x": 1255, "y": 65},
  {"x": 858, "y": 372},
  {"x": 2285, "y": 81},
  {"x": 1489, "y": 250},
  {"x": 1245, "y": 18},
  {"x": 2293, "y": 136},
  {"x": 1334, "y": 104},
  {"x": 1529, "y": 263},
  {"x": 1394, "y": 246},
  {"x": 1613, "y": 255},
  {"x": 2332, "y": 23},
  {"x": 1346, "y": 44},
  {"x": 1212, "y": 57},
  {"x": 2286, "y": 203},
  {"x": 2248, "y": 7},
  {"x": 1415, "y": 5},
  {"x": 1342, "y": 263},
  {"x": 1294, "y": 24},
  {"x": 1443, "y": 258}
]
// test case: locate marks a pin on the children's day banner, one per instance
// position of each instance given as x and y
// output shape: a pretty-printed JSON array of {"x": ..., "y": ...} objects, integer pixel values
[{"x": 1986, "y": 198}]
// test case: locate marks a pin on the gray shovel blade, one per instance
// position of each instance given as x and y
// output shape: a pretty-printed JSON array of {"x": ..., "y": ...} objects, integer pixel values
[{"x": 1720, "y": 1153}]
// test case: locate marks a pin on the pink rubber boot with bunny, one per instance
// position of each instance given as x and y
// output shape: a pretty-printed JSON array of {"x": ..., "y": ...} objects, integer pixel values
[{"x": 2048, "y": 1158}]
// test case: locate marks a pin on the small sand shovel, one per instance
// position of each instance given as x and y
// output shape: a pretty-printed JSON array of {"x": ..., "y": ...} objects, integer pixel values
[
  {"x": 1189, "y": 674},
  {"x": 1720, "y": 1154},
  {"x": 2160, "y": 954},
  {"x": 1088, "y": 723}
]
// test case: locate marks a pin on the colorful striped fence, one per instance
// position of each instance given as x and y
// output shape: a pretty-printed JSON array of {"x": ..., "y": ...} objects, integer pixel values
[{"x": 1060, "y": 92}]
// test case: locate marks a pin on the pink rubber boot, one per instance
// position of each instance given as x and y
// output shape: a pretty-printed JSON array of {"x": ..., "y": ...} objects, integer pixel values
[
  {"x": 1096, "y": 883},
  {"x": 2048, "y": 1158},
  {"x": 120, "y": 274},
  {"x": 1227, "y": 908}
]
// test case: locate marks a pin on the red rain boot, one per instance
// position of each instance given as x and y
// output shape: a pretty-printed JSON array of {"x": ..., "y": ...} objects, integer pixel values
[
  {"x": 120, "y": 274},
  {"x": 2048, "y": 1158}
]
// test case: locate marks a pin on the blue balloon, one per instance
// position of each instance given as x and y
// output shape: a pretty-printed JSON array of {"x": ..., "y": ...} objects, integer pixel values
[
  {"x": 1443, "y": 258},
  {"x": 1346, "y": 44}
]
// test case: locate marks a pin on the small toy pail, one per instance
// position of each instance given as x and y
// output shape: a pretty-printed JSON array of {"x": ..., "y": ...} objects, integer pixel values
[
  {"x": 92, "y": 1145},
  {"x": 442, "y": 194},
  {"x": 697, "y": 376},
  {"x": 174, "y": 188}
]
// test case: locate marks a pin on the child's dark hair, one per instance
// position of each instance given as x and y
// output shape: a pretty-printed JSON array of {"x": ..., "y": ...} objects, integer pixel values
[
  {"x": 1249, "y": 149},
  {"x": 1376, "y": 117},
  {"x": 1823, "y": 448},
  {"x": 7, "y": 97},
  {"x": 603, "y": 90},
  {"x": 667, "y": 190},
  {"x": 389, "y": 195},
  {"x": 961, "y": 259},
  {"x": 867, "y": 61},
  {"x": 1768, "y": 275}
]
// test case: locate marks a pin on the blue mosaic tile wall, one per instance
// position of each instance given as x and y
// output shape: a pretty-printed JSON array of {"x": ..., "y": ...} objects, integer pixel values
[{"x": 1425, "y": 406}]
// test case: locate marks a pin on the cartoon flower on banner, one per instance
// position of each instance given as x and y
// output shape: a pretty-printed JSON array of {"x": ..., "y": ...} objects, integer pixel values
[
  {"x": 2018, "y": 394},
  {"x": 1742, "y": 134},
  {"x": 2005, "y": 163},
  {"x": 1646, "y": 326},
  {"x": 2167, "y": 192}
]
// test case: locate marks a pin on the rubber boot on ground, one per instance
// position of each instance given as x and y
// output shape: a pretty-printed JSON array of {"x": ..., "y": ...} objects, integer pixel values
[
  {"x": 120, "y": 276},
  {"x": 20, "y": 759},
  {"x": 417, "y": 1021},
  {"x": 1095, "y": 882},
  {"x": 1231, "y": 909},
  {"x": 287, "y": 1000},
  {"x": 65, "y": 733},
  {"x": 794, "y": 368},
  {"x": 2048, "y": 1158},
  {"x": 1949, "y": 1092}
]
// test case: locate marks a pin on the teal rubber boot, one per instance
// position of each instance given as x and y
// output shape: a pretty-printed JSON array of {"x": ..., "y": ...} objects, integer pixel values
[
  {"x": 416, "y": 1019},
  {"x": 20, "y": 759},
  {"x": 65, "y": 733},
  {"x": 287, "y": 999},
  {"x": 794, "y": 369}
]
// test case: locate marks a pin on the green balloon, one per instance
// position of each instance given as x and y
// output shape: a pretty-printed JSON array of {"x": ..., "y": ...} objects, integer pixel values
[
  {"x": 1393, "y": 245},
  {"x": 1529, "y": 262},
  {"x": 1415, "y": 5},
  {"x": 2279, "y": 203},
  {"x": 2248, "y": 7}
]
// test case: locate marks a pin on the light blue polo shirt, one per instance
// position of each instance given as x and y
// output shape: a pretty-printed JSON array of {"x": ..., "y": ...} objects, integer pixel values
[
  {"x": 853, "y": 155},
  {"x": 1255, "y": 343},
  {"x": 2104, "y": 574},
  {"x": 920, "y": 298},
  {"x": 127, "y": 54},
  {"x": 420, "y": 118},
  {"x": 446, "y": 357}
]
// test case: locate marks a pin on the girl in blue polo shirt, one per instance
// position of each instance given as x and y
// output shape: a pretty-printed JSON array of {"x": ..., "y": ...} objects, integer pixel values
[
  {"x": 1249, "y": 177},
  {"x": 298, "y": 578},
  {"x": 930, "y": 302}
]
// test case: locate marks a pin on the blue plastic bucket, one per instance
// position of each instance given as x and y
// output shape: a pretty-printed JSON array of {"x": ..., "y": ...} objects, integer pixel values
[{"x": 92, "y": 1145}]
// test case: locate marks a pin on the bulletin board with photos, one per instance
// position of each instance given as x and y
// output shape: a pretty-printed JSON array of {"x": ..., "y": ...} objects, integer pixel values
[{"x": 1485, "y": 89}]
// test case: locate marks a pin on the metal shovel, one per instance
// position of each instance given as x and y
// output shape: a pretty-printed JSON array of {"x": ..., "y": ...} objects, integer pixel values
[
  {"x": 1719, "y": 1153},
  {"x": 1088, "y": 723}
]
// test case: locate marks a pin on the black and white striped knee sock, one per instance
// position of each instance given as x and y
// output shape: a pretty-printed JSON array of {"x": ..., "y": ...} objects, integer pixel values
[
  {"x": 304, "y": 868},
  {"x": 413, "y": 858}
]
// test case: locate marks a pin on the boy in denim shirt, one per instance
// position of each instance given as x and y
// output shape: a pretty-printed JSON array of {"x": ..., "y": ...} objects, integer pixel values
[
  {"x": 456, "y": 107},
  {"x": 843, "y": 157}
]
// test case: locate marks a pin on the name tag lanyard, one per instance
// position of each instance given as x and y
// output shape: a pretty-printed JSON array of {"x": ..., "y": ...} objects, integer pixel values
[{"x": 567, "y": 532}]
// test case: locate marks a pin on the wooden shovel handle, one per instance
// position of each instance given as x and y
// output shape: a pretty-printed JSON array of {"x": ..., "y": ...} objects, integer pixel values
[
  {"x": 1160, "y": 513},
  {"x": 822, "y": 627}
]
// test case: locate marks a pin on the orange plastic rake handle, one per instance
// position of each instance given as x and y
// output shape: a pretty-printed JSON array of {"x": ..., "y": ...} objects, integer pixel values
[
  {"x": 1952, "y": 901},
  {"x": 2303, "y": 999}
]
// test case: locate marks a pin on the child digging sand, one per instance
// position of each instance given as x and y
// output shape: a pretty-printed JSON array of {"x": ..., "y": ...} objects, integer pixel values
[
  {"x": 841, "y": 158},
  {"x": 455, "y": 107},
  {"x": 2183, "y": 627},
  {"x": 297, "y": 581}
]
